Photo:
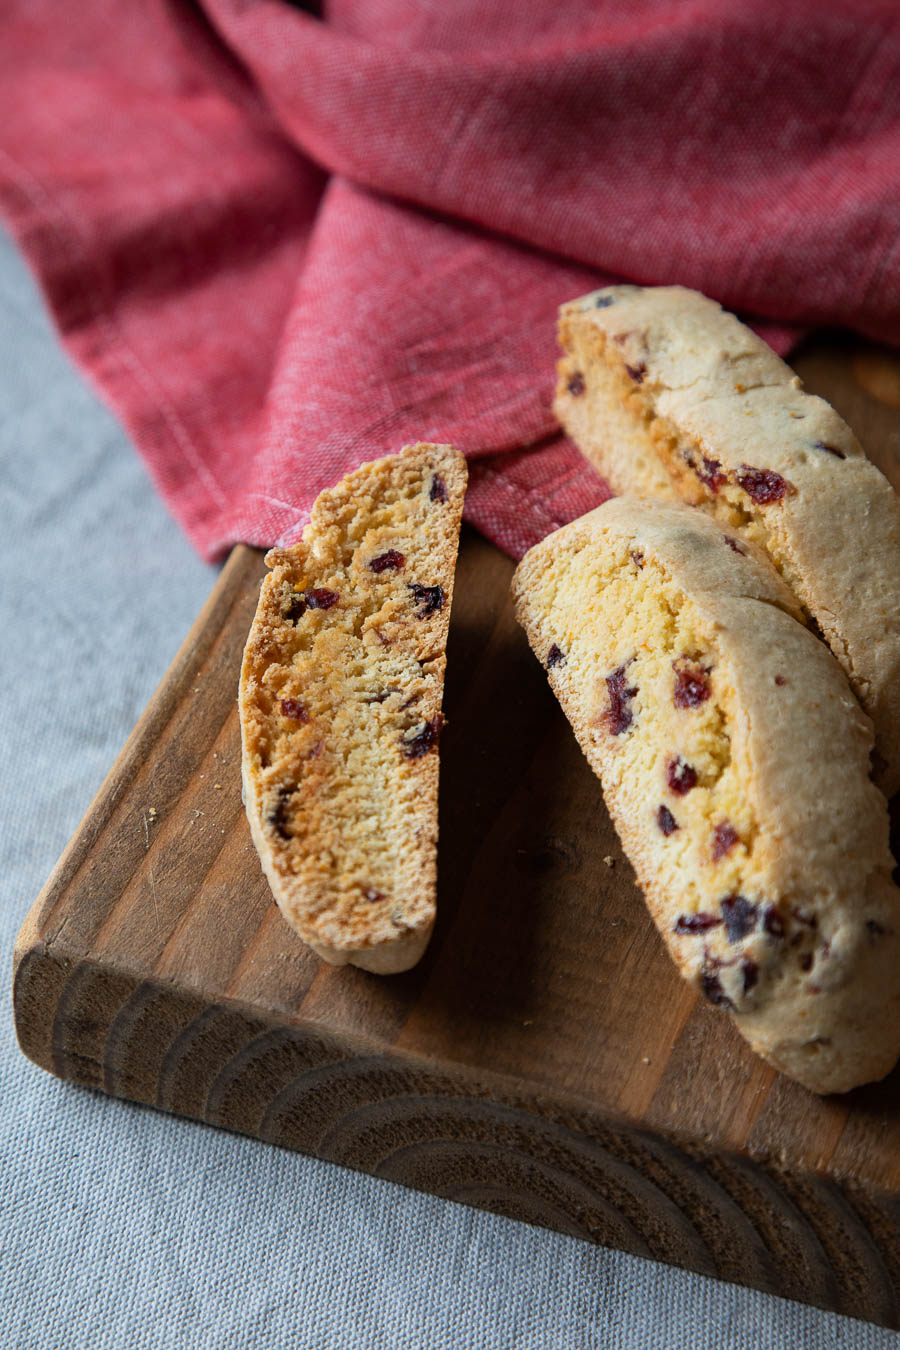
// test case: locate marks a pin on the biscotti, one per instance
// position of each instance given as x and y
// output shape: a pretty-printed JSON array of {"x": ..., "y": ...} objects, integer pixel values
[
  {"x": 735, "y": 764},
  {"x": 671, "y": 397},
  {"x": 340, "y": 703}
]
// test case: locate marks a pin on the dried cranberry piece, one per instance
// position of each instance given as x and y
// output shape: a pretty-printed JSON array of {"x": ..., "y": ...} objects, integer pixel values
[
  {"x": 780, "y": 680},
  {"x": 604, "y": 301},
  {"x": 425, "y": 739},
  {"x": 438, "y": 491},
  {"x": 387, "y": 562},
  {"x": 773, "y": 923},
  {"x": 713, "y": 991},
  {"x": 321, "y": 598},
  {"x": 725, "y": 836},
  {"x": 666, "y": 821},
  {"x": 681, "y": 777},
  {"x": 555, "y": 657},
  {"x": 830, "y": 449},
  {"x": 739, "y": 915},
  {"x": 429, "y": 598},
  {"x": 293, "y": 708},
  {"x": 576, "y": 385},
  {"x": 750, "y": 972},
  {"x": 278, "y": 812},
  {"x": 764, "y": 486},
  {"x": 618, "y": 717},
  {"x": 696, "y": 923},
  {"x": 711, "y": 473},
  {"x": 637, "y": 372},
  {"x": 691, "y": 683},
  {"x": 734, "y": 545}
]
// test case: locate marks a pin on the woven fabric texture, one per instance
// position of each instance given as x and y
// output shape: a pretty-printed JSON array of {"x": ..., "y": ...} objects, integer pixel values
[{"x": 280, "y": 243}]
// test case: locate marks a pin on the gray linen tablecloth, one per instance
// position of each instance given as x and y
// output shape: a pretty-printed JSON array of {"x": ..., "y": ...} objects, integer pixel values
[{"x": 123, "y": 1227}]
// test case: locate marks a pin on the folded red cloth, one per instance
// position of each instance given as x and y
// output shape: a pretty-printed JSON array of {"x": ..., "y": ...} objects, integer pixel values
[{"x": 280, "y": 244}]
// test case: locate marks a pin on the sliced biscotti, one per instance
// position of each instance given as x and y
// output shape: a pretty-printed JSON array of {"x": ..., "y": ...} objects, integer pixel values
[
  {"x": 340, "y": 703},
  {"x": 735, "y": 764},
  {"x": 669, "y": 396}
]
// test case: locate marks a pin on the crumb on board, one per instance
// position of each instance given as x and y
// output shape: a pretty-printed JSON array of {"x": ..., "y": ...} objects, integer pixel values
[
  {"x": 609, "y": 860},
  {"x": 148, "y": 818}
]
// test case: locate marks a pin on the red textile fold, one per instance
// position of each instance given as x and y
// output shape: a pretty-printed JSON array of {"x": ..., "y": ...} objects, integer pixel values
[{"x": 280, "y": 244}]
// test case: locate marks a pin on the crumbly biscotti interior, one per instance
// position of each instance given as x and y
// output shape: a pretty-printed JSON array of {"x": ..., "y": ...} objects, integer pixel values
[
  {"x": 659, "y": 669},
  {"x": 779, "y": 907},
  {"x": 341, "y": 708},
  {"x": 604, "y": 414}
]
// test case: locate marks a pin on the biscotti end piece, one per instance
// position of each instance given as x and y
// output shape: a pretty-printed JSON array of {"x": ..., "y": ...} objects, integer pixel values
[
  {"x": 735, "y": 765},
  {"x": 670, "y": 396},
  {"x": 340, "y": 703}
]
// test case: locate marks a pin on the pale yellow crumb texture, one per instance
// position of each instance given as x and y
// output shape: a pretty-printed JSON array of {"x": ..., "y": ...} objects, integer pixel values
[
  {"x": 735, "y": 764},
  {"x": 340, "y": 702}
]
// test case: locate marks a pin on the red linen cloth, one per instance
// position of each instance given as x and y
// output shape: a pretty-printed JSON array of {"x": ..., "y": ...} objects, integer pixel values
[{"x": 280, "y": 244}]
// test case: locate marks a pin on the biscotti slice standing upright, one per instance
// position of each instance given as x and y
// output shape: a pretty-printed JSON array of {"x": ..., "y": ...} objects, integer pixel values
[
  {"x": 669, "y": 396},
  {"x": 340, "y": 703},
  {"x": 734, "y": 761}
]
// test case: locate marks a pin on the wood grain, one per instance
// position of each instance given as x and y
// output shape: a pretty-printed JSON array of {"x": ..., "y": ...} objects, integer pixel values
[{"x": 544, "y": 1061}]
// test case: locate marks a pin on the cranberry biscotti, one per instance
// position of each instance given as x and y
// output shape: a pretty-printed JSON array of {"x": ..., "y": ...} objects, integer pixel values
[
  {"x": 340, "y": 704},
  {"x": 735, "y": 764},
  {"x": 669, "y": 396}
]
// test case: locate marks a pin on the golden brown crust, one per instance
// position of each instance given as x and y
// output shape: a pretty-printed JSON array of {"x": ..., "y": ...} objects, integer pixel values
[
  {"x": 674, "y": 398},
  {"x": 340, "y": 700},
  {"x": 734, "y": 761}
]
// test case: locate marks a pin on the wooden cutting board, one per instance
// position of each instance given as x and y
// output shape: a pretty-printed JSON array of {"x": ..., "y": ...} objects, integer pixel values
[{"x": 544, "y": 1061}]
